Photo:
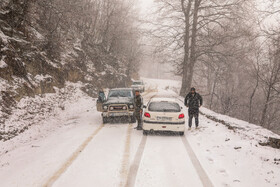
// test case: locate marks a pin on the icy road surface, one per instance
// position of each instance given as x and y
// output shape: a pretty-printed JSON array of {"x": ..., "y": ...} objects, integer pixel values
[{"x": 82, "y": 151}]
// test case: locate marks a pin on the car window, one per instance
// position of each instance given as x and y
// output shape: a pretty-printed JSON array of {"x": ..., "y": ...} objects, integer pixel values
[
  {"x": 137, "y": 83},
  {"x": 164, "y": 106},
  {"x": 120, "y": 93}
]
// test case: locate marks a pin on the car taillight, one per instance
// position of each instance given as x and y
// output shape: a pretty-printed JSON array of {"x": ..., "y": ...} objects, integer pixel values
[
  {"x": 181, "y": 116},
  {"x": 147, "y": 115}
]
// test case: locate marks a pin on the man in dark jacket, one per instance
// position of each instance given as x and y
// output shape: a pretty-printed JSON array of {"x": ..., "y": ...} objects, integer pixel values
[
  {"x": 101, "y": 96},
  {"x": 193, "y": 101},
  {"x": 101, "y": 99},
  {"x": 138, "y": 109}
]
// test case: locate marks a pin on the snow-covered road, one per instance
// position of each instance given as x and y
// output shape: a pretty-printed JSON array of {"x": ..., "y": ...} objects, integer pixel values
[
  {"x": 84, "y": 152},
  {"x": 107, "y": 158}
]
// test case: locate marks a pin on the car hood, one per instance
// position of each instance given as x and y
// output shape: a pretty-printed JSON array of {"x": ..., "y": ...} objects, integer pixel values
[{"x": 119, "y": 100}]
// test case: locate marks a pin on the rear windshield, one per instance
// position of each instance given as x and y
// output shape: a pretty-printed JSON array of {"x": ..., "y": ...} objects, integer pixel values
[
  {"x": 120, "y": 93},
  {"x": 136, "y": 83},
  {"x": 164, "y": 107}
]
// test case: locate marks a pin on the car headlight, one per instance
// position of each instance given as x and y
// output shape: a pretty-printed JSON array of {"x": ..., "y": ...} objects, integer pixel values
[
  {"x": 124, "y": 107},
  {"x": 111, "y": 108},
  {"x": 105, "y": 107},
  {"x": 131, "y": 106}
]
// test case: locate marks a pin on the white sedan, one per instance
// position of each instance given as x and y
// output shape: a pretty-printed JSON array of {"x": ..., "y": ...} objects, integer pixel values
[{"x": 163, "y": 114}]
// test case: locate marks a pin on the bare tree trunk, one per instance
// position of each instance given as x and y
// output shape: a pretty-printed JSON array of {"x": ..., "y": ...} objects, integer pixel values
[
  {"x": 193, "y": 45},
  {"x": 252, "y": 96},
  {"x": 264, "y": 112},
  {"x": 213, "y": 89},
  {"x": 186, "y": 12}
]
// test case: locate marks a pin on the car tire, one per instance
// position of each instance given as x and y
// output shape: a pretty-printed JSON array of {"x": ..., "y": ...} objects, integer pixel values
[
  {"x": 133, "y": 119},
  {"x": 181, "y": 133},
  {"x": 145, "y": 133},
  {"x": 105, "y": 120}
]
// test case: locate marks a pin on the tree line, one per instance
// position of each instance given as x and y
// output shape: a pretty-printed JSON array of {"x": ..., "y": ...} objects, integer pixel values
[{"x": 228, "y": 49}]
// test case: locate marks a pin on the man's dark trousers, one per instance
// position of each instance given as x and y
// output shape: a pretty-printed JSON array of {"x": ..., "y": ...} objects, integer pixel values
[
  {"x": 193, "y": 113},
  {"x": 139, "y": 119}
]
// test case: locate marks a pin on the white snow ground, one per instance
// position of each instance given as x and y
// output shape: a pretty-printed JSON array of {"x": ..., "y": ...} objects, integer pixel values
[{"x": 52, "y": 154}]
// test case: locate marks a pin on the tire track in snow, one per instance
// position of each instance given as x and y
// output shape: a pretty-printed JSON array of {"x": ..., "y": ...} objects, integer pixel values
[
  {"x": 72, "y": 158},
  {"x": 133, "y": 170},
  {"x": 206, "y": 182},
  {"x": 126, "y": 156},
  {"x": 124, "y": 172}
]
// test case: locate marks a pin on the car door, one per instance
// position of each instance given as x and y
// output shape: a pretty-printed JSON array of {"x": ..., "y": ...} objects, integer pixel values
[{"x": 101, "y": 99}]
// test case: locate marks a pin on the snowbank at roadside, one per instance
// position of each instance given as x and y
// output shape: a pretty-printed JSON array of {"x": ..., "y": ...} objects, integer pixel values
[
  {"x": 251, "y": 130},
  {"x": 35, "y": 117}
]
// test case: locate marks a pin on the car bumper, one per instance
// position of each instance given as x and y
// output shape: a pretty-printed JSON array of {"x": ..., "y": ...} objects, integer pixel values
[
  {"x": 174, "y": 127},
  {"x": 118, "y": 114}
]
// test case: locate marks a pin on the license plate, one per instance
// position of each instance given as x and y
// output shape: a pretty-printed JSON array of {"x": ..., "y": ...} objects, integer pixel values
[
  {"x": 117, "y": 114},
  {"x": 163, "y": 118},
  {"x": 112, "y": 114}
]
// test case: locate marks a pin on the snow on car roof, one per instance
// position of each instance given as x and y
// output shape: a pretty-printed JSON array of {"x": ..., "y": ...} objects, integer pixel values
[{"x": 167, "y": 99}]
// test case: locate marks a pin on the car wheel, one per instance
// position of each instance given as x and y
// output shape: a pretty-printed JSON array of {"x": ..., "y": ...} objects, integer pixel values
[
  {"x": 181, "y": 133},
  {"x": 133, "y": 119},
  {"x": 105, "y": 120},
  {"x": 145, "y": 132}
]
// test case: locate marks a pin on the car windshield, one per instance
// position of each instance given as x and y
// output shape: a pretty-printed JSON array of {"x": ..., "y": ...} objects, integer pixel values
[
  {"x": 136, "y": 83},
  {"x": 120, "y": 93},
  {"x": 164, "y": 106}
]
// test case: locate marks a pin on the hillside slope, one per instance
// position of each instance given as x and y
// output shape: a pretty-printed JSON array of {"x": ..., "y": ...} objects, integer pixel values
[{"x": 42, "y": 49}]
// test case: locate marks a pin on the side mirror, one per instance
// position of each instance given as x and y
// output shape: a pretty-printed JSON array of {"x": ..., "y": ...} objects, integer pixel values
[
  {"x": 181, "y": 107},
  {"x": 144, "y": 106}
]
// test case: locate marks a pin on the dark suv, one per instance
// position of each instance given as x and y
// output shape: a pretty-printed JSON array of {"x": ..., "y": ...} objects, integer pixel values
[{"x": 120, "y": 103}]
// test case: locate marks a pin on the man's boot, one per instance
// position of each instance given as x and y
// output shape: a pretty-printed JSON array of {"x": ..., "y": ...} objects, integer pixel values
[{"x": 139, "y": 128}]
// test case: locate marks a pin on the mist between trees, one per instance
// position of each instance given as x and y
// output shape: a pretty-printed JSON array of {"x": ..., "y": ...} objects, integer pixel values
[{"x": 228, "y": 49}]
